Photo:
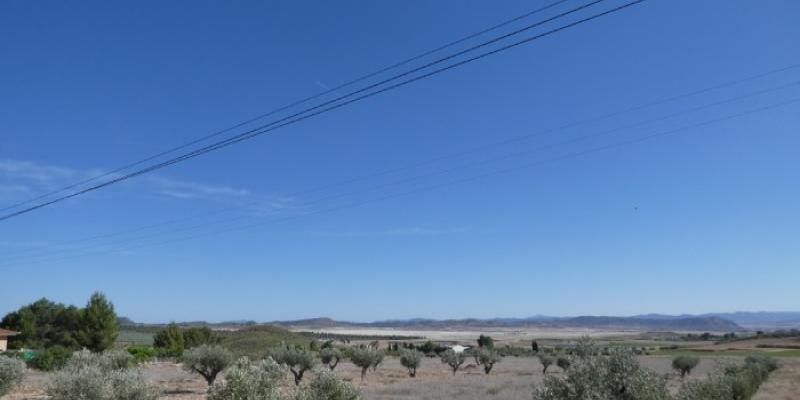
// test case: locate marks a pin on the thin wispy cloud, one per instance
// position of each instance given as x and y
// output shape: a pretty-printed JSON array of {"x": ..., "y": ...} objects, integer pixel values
[
  {"x": 193, "y": 190},
  {"x": 20, "y": 179},
  {"x": 30, "y": 171}
]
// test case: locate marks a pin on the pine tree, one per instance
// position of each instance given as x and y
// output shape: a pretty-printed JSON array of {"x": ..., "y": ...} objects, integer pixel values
[{"x": 99, "y": 324}]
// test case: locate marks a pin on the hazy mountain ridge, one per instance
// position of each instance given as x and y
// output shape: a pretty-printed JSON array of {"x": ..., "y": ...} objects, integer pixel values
[
  {"x": 715, "y": 324},
  {"x": 718, "y": 322},
  {"x": 747, "y": 319}
]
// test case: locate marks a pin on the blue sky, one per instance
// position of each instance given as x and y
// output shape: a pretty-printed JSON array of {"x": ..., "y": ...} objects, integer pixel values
[{"x": 698, "y": 220}]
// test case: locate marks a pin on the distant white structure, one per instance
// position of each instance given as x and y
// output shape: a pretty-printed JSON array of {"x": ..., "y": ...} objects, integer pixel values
[{"x": 459, "y": 348}]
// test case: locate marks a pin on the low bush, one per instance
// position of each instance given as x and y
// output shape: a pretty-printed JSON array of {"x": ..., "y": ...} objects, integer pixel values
[
  {"x": 249, "y": 380},
  {"x": 11, "y": 373},
  {"x": 563, "y": 363},
  {"x": 51, "y": 359},
  {"x": 684, "y": 364},
  {"x": 119, "y": 359},
  {"x": 617, "y": 376},
  {"x": 106, "y": 376},
  {"x": 142, "y": 354},
  {"x": 326, "y": 387}
]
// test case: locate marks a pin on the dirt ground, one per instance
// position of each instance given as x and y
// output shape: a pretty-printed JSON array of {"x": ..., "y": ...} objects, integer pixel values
[{"x": 512, "y": 379}]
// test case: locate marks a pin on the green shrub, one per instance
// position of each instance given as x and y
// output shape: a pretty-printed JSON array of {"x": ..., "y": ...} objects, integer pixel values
[
  {"x": 411, "y": 359},
  {"x": 297, "y": 360},
  {"x": 142, "y": 354},
  {"x": 453, "y": 359},
  {"x": 197, "y": 336},
  {"x": 208, "y": 361},
  {"x": 563, "y": 363},
  {"x": 330, "y": 356},
  {"x": 249, "y": 380},
  {"x": 684, "y": 364},
  {"x": 485, "y": 341},
  {"x": 169, "y": 341},
  {"x": 51, "y": 359},
  {"x": 11, "y": 373}
]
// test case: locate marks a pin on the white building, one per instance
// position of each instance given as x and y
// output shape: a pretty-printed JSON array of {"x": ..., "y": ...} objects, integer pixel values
[{"x": 4, "y": 335}]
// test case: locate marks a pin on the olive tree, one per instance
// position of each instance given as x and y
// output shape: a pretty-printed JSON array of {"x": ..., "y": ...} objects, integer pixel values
[
  {"x": 208, "y": 361},
  {"x": 11, "y": 373},
  {"x": 487, "y": 357},
  {"x": 297, "y": 360},
  {"x": 365, "y": 358},
  {"x": 453, "y": 359},
  {"x": 330, "y": 356},
  {"x": 684, "y": 364},
  {"x": 411, "y": 359},
  {"x": 546, "y": 361}
]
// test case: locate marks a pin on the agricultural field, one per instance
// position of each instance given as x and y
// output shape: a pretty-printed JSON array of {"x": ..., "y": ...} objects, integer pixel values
[{"x": 512, "y": 379}]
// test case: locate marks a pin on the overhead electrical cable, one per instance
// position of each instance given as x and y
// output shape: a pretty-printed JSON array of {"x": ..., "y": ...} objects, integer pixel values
[
  {"x": 463, "y": 180},
  {"x": 288, "y": 106},
  {"x": 417, "y": 177},
  {"x": 306, "y": 114}
]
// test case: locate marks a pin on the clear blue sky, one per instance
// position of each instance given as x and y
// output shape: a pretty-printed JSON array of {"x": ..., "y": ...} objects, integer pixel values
[{"x": 706, "y": 219}]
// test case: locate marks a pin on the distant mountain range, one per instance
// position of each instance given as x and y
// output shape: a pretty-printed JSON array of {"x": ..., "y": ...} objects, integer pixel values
[
  {"x": 747, "y": 319},
  {"x": 711, "y": 322}
]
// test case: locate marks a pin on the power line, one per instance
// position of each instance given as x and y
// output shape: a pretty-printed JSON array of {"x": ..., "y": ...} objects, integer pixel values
[
  {"x": 308, "y": 114},
  {"x": 482, "y": 162},
  {"x": 461, "y": 153},
  {"x": 289, "y": 106},
  {"x": 462, "y": 180}
]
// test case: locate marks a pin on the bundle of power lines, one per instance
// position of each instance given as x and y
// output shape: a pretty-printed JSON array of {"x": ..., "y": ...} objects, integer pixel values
[{"x": 557, "y": 20}]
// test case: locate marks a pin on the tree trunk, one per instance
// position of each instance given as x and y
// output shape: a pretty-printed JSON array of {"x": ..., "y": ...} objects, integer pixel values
[{"x": 363, "y": 373}]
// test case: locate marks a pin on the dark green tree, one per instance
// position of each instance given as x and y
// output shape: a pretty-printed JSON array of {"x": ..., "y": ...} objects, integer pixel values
[
  {"x": 197, "y": 336},
  {"x": 44, "y": 324},
  {"x": 485, "y": 341},
  {"x": 99, "y": 324},
  {"x": 169, "y": 341}
]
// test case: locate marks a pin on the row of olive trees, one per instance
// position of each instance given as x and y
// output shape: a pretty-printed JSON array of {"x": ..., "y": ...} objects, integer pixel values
[{"x": 616, "y": 374}]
